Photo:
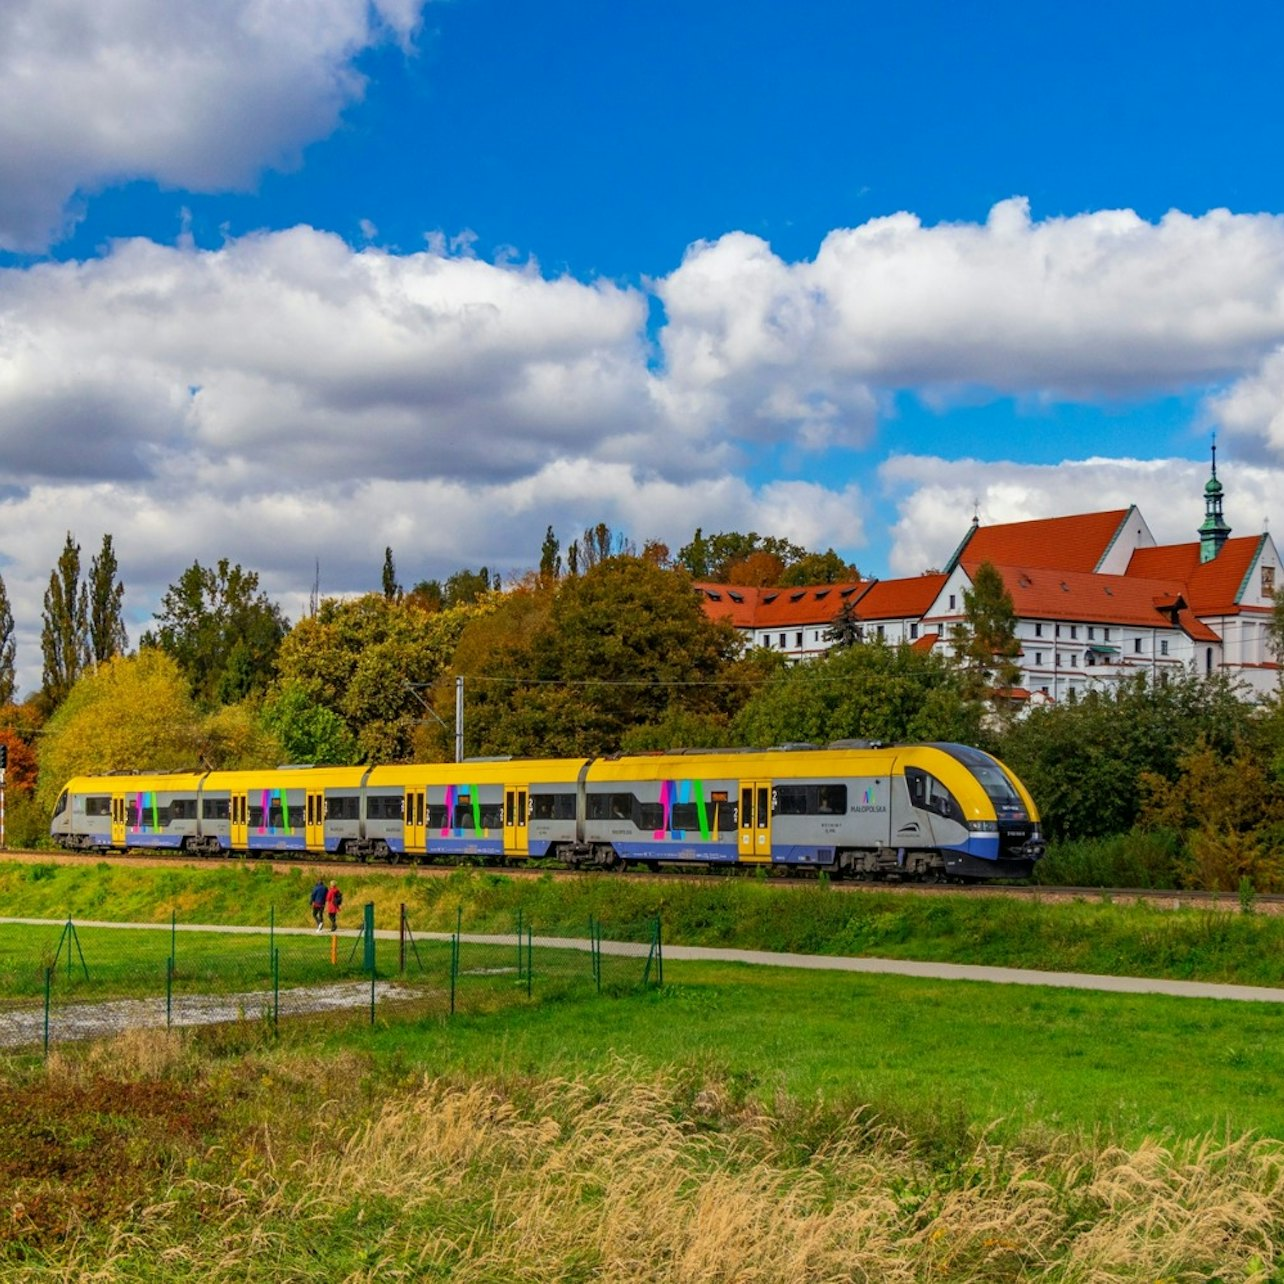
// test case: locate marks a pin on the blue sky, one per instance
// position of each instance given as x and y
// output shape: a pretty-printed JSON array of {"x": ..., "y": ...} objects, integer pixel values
[{"x": 293, "y": 283}]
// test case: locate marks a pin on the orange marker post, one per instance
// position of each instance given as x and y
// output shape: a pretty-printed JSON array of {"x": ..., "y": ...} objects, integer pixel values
[{"x": 334, "y": 949}]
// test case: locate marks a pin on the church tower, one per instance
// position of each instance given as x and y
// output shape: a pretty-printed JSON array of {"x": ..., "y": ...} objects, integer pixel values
[{"x": 1214, "y": 532}]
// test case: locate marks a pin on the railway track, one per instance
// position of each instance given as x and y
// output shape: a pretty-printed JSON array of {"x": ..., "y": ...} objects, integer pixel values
[{"x": 1262, "y": 904}]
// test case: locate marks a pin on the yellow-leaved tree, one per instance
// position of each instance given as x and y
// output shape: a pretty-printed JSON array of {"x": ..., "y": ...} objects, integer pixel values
[{"x": 133, "y": 713}]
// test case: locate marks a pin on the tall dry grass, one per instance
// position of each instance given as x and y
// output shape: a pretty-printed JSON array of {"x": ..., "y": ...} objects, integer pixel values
[{"x": 613, "y": 1178}]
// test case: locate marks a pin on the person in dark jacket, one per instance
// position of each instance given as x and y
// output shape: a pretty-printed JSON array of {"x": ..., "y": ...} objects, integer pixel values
[
  {"x": 318, "y": 903},
  {"x": 333, "y": 899}
]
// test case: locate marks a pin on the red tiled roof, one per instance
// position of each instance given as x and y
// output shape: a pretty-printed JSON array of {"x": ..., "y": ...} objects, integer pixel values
[
  {"x": 1038, "y": 593},
  {"x": 1196, "y": 628},
  {"x": 926, "y": 642},
  {"x": 905, "y": 599},
  {"x": 1075, "y": 543},
  {"x": 1212, "y": 588},
  {"x": 769, "y": 608}
]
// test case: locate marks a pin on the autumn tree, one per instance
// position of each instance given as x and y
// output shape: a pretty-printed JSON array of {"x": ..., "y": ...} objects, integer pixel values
[
  {"x": 714, "y": 557},
  {"x": 308, "y": 730},
  {"x": 8, "y": 651},
  {"x": 223, "y": 632},
  {"x": 64, "y": 636},
  {"x": 870, "y": 692},
  {"x": 133, "y": 713},
  {"x": 1275, "y": 631},
  {"x": 616, "y": 648},
  {"x": 107, "y": 636},
  {"x": 985, "y": 643}
]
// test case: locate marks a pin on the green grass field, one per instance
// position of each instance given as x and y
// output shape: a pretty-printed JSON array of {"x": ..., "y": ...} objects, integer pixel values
[{"x": 740, "y": 1124}]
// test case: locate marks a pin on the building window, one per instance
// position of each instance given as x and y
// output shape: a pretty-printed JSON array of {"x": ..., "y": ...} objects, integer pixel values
[
  {"x": 882, "y": 631},
  {"x": 1136, "y": 645},
  {"x": 1058, "y": 630},
  {"x": 1058, "y": 658},
  {"x": 913, "y": 630},
  {"x": 815, "y": 637},
  {"x": 953, "y": 601},
  {"x": 1105, "y": 635},
  {"x": 1074, "y": 630},
  {"x": 1038, "y": 630},
  {"x": 1268, "y": 580},
  {"x": 782, "y": 641},
  {"x": 798, "y": 639},
  {"x": 1163, "y": 646},
  {"x": 1074, "y": 661},
  {"x": 1092, "y": 633},
  {"x": 1038, "y": 657}
]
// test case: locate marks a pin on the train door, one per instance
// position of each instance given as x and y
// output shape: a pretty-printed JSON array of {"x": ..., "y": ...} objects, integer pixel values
[
  {"x": 755, "y": 820},
  {"x": 516, "y": 821},
  {"x": 118, "y": 812},
  {"x": 414, "y": 828},
  {"x": 316, "y": 820},
  {"x": 239, "y": 813}
]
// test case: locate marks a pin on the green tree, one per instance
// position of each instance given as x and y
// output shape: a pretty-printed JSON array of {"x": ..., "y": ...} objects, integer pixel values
[
  {"x": 1275, "y": 631},
  {"x": 868, "y": 692},
  {"x": 107, "y": 635},
  {"x": 370, "y": 661},
  {"x": 223, "y": 632},
  {"x": 465, "y": 587},
  {"x": 1084, "y": 761},
  {"x": 845, "y": 630},
  {"x": 986, "y": 644},
  {"x": 550, "y": 558},
  {"x": 714, "y": 557},
  {"x": 8, "y": 651},
  {"x": 132, "y": 713},
  {"x": 818, "y": 568},
  {"x": 307, "y": 730},
  {"x": 64, "y": 636},
  {"x": 391, "y": 589}
]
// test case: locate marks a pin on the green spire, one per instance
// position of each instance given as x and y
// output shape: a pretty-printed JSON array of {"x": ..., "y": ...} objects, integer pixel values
[{"x": 1214, "y": 532}]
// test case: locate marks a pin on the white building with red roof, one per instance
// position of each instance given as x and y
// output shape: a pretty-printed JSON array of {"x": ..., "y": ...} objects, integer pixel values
[{"x": 1096, "y": 600}]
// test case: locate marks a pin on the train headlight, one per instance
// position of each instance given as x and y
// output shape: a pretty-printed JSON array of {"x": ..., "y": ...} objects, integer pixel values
[{"x": 983, "y": 826}]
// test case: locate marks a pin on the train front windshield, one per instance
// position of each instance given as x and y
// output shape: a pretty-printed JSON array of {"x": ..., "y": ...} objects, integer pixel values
[{"x": 998, "y": 788}]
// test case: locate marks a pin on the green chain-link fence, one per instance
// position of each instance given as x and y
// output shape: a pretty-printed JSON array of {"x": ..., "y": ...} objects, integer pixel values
[{"x": 68, "y": 981}]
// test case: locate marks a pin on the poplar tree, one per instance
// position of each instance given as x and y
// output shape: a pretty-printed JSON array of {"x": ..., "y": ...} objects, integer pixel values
[
  {"x": 107, "y": 636},
  {"x": 550, "y": 558},
  {"x": 391, "y": 589},
  {"x": 7, "y": 649},
  {"x": 64, "y": 636}
]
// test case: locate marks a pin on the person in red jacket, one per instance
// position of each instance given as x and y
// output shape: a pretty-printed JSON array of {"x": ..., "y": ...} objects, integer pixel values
[{"x": 333, "y": 902}]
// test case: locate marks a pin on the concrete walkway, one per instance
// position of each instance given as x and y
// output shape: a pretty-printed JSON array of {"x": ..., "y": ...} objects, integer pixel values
[{"x": 763, "y": 958}]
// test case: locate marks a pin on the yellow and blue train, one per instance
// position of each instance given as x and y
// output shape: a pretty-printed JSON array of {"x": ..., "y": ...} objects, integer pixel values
[{"x": 914, "y": 811}]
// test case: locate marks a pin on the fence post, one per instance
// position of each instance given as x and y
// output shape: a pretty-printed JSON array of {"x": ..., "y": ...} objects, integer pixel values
[
  {"x": 595, "y": 951},
  {"x": 173, "y": 939},
  {"x": 276, "y": 990},
  {"x": 519, "y": 943},
  {"x": 656, "y": 956},
  {"x": 169, "y": 991},
  {"x": 368, "y": 955},
  {"x": 530, "y": 958},
  {"x": 401, "y": 941},
  {"x": 372, "y": 996},
  {"x": 48, "y": 994},
  {"x": 271, "y": 932}
]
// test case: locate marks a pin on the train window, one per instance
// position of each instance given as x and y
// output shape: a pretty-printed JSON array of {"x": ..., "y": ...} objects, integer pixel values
[
  {"x": 685, "y": 816},
  {"x": 419, "y": 809},
  {"x": 182, "y": 809},
  {"x": 725, "y": 815},
  {"x": 998, "y": 788},
  {"x": 98, "y": 806},
  {"x": 464, "y": 815},
  {"x": 831, "y": 800},
  {"x": 928, "y": 793},
  {"x": 343, "y": 808},
  {"x": 650, "y": 816},
  {"x": 437, "y": 816},
  {"x": 61, "y": 805},
  {"x": 492, "y": 816},
  {"x": 764, "y": 807},
  {"x": 552, "y": 806},
  {"x": 610, "y": 807},
  {"x": 791, "y": 800},
  {"x": 384, "y": 806},
  {"x": 256, "y": 817},
  {"x": 215, "y": 808}
]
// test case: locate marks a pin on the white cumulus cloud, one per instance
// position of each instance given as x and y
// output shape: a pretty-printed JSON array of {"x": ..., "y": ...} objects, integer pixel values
[{"x": 196, "y": 96}]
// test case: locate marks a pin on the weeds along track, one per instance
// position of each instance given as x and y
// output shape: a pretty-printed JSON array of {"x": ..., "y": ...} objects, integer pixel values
[{"x": 1161, "y": 898}]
